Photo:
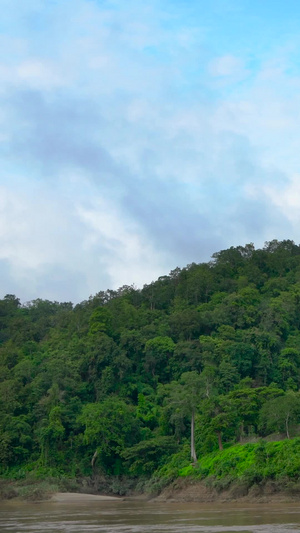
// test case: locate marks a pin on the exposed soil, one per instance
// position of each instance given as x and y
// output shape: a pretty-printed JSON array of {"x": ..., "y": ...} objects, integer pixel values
[{"x": 186, "y": 490}]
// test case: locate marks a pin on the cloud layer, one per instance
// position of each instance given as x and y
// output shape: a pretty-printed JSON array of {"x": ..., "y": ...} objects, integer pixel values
[{"x": 135, "y": 138}]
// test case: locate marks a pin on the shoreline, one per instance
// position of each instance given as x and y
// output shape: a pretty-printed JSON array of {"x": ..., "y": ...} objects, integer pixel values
[
  {"x": 182, "y": 490},
  {"x": 75, "y": 497},
  {"x": 192, "y": 491},
  {"x": 220, "y": 499}
]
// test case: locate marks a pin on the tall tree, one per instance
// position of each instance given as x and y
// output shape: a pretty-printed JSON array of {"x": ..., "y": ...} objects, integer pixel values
[{"x": 181, "y": 401}]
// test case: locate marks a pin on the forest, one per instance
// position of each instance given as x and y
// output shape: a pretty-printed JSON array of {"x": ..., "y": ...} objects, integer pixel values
[{"x": 138, "y": 382}]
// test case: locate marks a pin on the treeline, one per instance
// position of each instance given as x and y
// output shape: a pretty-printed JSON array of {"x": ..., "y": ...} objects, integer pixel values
[{"x": 209, "y": 354}]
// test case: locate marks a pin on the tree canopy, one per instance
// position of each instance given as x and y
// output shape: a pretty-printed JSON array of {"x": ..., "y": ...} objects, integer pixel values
[{"x": 208, "y": 355}]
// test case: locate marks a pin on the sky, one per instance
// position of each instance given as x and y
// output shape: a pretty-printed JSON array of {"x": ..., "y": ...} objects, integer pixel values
[{"x": 136, "y": 137}]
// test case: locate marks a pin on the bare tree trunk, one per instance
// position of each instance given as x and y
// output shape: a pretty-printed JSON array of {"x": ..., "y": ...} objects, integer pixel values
[
  {"x": 94, "y": 458},
  {"x": 287, "y": 425},
  {"x": 193, "y": 451}
]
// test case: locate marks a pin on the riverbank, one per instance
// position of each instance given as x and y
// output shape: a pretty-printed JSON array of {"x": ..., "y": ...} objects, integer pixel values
[
  {"x": 77, "y": 497},
  {"x": 182, "y": 490},
  {"x": 32, "y": 488},
  {"x": 46, "y": 492},
  {"x": 188, "y": 491},
  {"x": 265, "y": 471},
  {"x": 66, "y": 489}
]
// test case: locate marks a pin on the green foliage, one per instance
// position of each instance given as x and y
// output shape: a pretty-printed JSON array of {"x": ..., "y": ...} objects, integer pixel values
[
  {"x": 110, "y": 426},
  {"x": 176, "y": 463},
  {"x": 252, "y": 462},
  {"x": 279, "y": 413},
  {"x": 129, "y": 373},
  {"x": 148, "y": 455},
  {"x": 157, "y": 353}
]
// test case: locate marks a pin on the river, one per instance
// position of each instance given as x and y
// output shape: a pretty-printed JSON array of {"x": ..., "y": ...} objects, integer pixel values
[{"x": 147, "y": 517}]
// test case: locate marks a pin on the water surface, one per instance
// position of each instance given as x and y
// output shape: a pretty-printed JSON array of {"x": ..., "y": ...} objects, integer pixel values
[{"x": 147, "y": 517}]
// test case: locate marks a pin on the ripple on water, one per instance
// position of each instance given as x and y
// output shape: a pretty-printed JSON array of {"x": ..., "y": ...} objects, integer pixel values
[{"x": 142, "y": 517}]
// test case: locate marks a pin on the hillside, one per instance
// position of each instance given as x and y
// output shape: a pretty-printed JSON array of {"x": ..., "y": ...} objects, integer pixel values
[{"x": 123, "y": 383}]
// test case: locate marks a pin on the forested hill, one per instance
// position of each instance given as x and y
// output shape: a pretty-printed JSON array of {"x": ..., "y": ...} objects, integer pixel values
[{"x": 111, "y": 384}]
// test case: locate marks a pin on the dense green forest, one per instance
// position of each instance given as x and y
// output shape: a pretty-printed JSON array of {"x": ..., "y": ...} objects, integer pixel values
[{"x": 131, "y": 382}]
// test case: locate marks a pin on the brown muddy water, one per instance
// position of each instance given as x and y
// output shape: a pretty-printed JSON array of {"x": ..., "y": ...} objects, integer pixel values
[{"x": 147, "y": 517}]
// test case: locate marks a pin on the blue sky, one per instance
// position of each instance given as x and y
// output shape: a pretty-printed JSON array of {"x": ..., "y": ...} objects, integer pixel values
[{"x": 140, "y": 136}]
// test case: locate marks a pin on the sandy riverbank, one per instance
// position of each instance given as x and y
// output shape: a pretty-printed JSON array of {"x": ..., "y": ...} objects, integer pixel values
[
  {"x": 76, "y": 497},
  {"x": 194, "y": 493}
]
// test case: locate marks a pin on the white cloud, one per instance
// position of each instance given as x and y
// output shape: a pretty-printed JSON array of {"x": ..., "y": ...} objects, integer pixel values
[
  {"x": 38, "y": 231},
  {"x": 39, "y": 74},
  {"x": 287, "y": 199},
  {"x": 128, "y": 257},
  {"x": 58, "y": 236},
  {"x": 32, "y": 74},
  {"x": 226, "y": 65}
]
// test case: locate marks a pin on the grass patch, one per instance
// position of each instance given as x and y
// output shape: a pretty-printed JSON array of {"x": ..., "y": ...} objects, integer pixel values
[{"x": 250, "y": 463}]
